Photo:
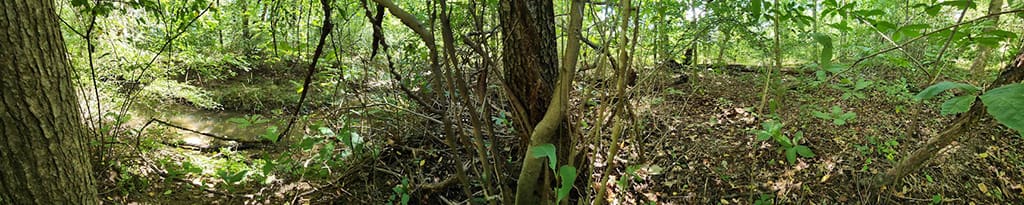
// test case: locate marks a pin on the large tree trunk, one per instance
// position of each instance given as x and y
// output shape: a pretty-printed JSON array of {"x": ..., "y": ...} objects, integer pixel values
[
  {"x": 530, "y": 59},
  {"x": 531, "y": 67},
  {"x": 43, "y": 155}
]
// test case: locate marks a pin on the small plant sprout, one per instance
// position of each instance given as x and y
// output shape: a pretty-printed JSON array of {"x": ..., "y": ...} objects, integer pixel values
[
  {"x": 790, "y": 146},
  {"x": 837, "y": 116}
]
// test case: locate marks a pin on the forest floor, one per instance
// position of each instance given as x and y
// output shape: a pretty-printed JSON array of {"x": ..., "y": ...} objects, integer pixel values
[
  {"x": 703, "y": 139},
  {"x": 697, "y": 145}
]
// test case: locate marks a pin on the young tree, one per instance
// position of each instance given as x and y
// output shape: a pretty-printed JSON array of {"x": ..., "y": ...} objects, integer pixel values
[{"x": 43, "y": 155}]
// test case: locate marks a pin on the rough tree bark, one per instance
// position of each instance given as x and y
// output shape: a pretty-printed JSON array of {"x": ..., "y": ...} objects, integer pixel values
[
  {"x": 43, "y": 151},
  {"x": 530, "y": 59},
  {"x": 531, "y": 67}
]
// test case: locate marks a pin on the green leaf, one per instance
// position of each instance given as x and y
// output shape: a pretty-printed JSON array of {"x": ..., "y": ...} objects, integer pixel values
[
  {"x": 755, "y": 8},
  {"x": 861, "y": 84},
  {"x": 822, "y": 115},
  {"x": 1001, "y": 33},
  {"x": 959, "y": 4},
  {"x": 242, "y": 122},
  {"x": 546, "y": 150},
  {"x": 804, "y": 151},
  {"x": 568, "y": 176},
  {"x": 763, "y": 135},
  {"x": 839, "y": 121},
  {"x": 791, "y": 155},
  {"x": 848, "y": 116},
  {"x": 934, "y": 90},
  {"x": 826, "y": 48},
  {"x": 957, "y": 105},
  {"x": 270, "y": 134},
  {"x": 326, "y": 131},
  {"x": 1006, "y": 105}
]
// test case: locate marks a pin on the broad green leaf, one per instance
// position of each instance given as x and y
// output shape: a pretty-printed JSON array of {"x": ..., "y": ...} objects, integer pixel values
[
  {"x": 836, "y": 68},
  {"x": 763, "y": 135},
  {"x": 326, "y": 131},
  {"x": 959, "y": 4},
  {"x": 755, "y": 8},
  {"x": 822, "y": 115},
  {"x": 861, "y": 84},
  {"x": 934, "y": 90},
  {"x": 546, "y": 150},
  {"x": 1001, "y": 33},
  {"x": 270, "y": 134},
  {"x": 1006, "y": 105},
  {"x": 839, "y": 121},
  {"x": 826, "y": 48},
  {"x": 804, "y": 151},
  {"x": 791, "y": 155},
  {"x": 933, "y": 10},
  {"x": 240, "y": 121},
  {"x": 885, "y": 26},
  {"x": 957, "y": 105},
  {"x": 568, "y": 176},
  {"x": 848, "y": 116},
  {"x": 784, "y": 141},
  {"x": 988, "y": 41}
]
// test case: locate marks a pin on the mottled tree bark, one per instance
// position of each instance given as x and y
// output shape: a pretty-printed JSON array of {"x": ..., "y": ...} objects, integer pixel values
[
  {"x": 43, "y": 155},
  {"x": 531, "y": 67},
  {"x": 530, "y": 59}
]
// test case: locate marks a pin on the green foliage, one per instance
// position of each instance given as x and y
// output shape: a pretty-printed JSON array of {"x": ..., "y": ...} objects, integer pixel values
[
  {"x": 1006, "y": 105},
  {"x": 837, "y": 116},
  {"x": 546, "y": 150},
  {"x": 790, "y": 146},
  {"x": 886, "y": 148},
  {"x": 269, "y": 134},
  {"x": 958, "y": 104},
  {"x": 171, "y": 90},
  {"x": 401, "y": 193},
  {"x": 853, "y": 89},
  {"x": 567, "y": 174},
  {"x": 248, "y": 120},
  {"x": 826, "y": 49},
  {"x": 765, "y": 199},
  {"x": 938, "y": 88},
  {"x": 230, "y": 177}
]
